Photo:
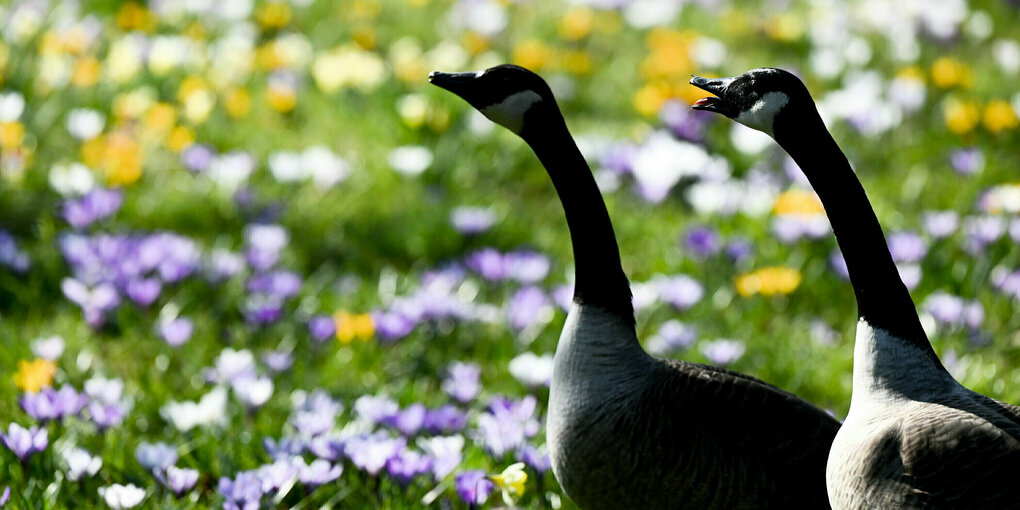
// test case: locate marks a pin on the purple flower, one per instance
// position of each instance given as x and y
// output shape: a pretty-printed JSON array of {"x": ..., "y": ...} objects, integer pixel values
[
  {"x": 409, "y": 420},
  {"x": 261, "y": 309},
  {"x": 739, "y": 249},
  {"x": 50, "y": 404},
  {"x": 375, "y": 408},
  {"x": 282, "y": 284},
  {"x": 93, "y": 206},
  {"x": 681, "y": 291},
  {"x": 176, "y": 332},
  {"x": 684, "y": 122},
  {"x": 444, "y": 420},
  {"x": 242, "y": 493},
  {"x": 179, "y": 480},
  {"x": 406, "y": 465},
  {"x": 672, "y": 336},
  {"x": 11, "y": 256},
  {"x": 526, "y": 266},
  {"x": 94, "y": 302},
  {"x": 526, "y": 307},
  {"x": 473, "y": 487},
  {"x": 106, "y": 415},
  {"x": 563, "y": 296},
  {"x": 445, "y": 452},
  {"x": 702, "y": 241},
  {"x": 285, "y": 448},
  {"x": 488, "y": 263},
  {"x": 319, "y": 472},
  {"x": 327, "y": 447},
  {"x": 939, "y": 224},
  {"x": 536, "y": 458},
  {"x": 316, "y": 414},
  {"x": 25, "y": 442},
  {"x": 967, "y": 161},
  {"x": 838, "y": 264},
  {"x": 280, "y": 473},
  {"x": 223, "y": 264},
  {"x": 264, "y": 244},
  {"x": 370, "y": 453},
  {"x": 462, "y": 381},
  {"x": 322, "y": 327},
  {"x": 392, "y": 325},
  {"x": 197, "y": 157},
  {"x": 507, "y": 424},
  {"x": 472, "y": 220},
  {"x": 907, "y": 247},
  {"x": 619, "y": 158},
  {"x": 722, "y": 351},
  {"x": 155, "y": 456},
  {"x": 143, "y": 291},
  {"x": 5, "y": 496},
  {"x": 981, "y": 231},
  {"x": 278, "y": 361}
]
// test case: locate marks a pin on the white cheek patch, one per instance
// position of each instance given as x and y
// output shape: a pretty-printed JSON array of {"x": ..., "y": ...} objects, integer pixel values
[
  {"x": 510, "y": 112},
  {"x": 762, "y": 115}
]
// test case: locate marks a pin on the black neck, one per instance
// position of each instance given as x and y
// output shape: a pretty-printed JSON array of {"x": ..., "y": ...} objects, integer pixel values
[
  {"x": 599, "y": 277},
  {"x": 882, "y": 299}
]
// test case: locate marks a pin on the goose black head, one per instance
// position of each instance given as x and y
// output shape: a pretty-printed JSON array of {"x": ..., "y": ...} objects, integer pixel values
[
  {"x": 506, "y": 94},
  {"x": 758, "y": 99}
]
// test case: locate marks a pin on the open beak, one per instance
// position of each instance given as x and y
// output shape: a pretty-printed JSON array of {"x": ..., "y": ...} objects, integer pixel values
[
  {"x": 715, "y": 104},
  {"x": 458, "y": 83}
]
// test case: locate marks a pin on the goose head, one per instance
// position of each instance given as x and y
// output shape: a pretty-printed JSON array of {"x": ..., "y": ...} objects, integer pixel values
[
  {"x": 760, "y": 99},
  {"x": 508, "y": 95}
]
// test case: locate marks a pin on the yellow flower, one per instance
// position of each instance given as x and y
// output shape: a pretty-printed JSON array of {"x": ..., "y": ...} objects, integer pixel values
[
  {"x": 34, "y": 375},
  {"x": 577, "y": 62},
  {"x": 86, "y": 72},
  {"x": 786, "y": 27},
  {"x": 797, "y": 201},
  {"x": 159, "y": 119},
  {"x": 961, "y": 116},
  {"x": 133, "y": 16},
  {"x": 670, "y": 55},
  {"x": 511, "y": 482},
  {"x": 117, "y": 154},
  {"x": 238, "y": 102},
  {"x": 131, "y": 105},
  {"x": 768, "y": 281},
  {"x": 576, "y": 23},
  {"x": 180, "y": 138},
  {"x": 11, "y": 134},
  {"x": 474, "y": 42},
  {"x": 948, "y": 72},
  {"x": 999, "y": 116},
  {"x": 650, "y": 98},
  {"x": 350, "y": 326},
  {"x": 281, "y": 98},
  {"x": 532, "y": 54},
  {"x": 364, "y": 37},
  {"x": 273, "y": 15},
  {"x": 412, "y": 109}
]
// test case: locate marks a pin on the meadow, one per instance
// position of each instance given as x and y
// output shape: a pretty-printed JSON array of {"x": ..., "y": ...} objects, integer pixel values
[{"x": 250, "y": 258}]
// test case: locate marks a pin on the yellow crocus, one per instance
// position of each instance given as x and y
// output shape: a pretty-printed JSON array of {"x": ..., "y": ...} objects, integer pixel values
[
  {"x": 999, "y": 116},
  {"x": 768, "y": 281},
  {"x": 532, "y": 54},
  {"x": 351, "y": 326},
  {"x": 799, "y": 202},
  {"x": 961, "y": 116},
  {"x": 576, "y": 23},
  {"x": 511, "y": 482},
  {"x": 34, "y": 375}
]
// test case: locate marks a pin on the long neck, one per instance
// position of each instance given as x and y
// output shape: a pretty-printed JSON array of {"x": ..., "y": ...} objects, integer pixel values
[
  {"x": 882, "y": 299},
  {"x": 599, "y": 277}
]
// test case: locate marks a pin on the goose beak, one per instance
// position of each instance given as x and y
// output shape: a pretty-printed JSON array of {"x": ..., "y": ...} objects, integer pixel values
[
  {"x": 458, "y": 83},
  {"x": 715, "y": 104}
]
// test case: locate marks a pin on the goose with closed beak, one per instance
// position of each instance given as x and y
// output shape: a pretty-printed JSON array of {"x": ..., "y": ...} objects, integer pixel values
[
  {"x": 625, "y": 429},
  {"x": 914, "y": 436}
]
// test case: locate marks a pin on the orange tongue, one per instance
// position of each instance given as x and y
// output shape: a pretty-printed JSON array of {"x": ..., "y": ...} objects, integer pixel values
[{"x": 703, "y": 100}]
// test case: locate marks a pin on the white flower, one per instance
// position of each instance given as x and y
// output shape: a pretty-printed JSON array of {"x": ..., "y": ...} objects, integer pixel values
[
  {"x": 1007, "y": 55},
  {"x": 286, "y": 166},
  {"x": 48, "y": 347},
  {"x": 71, "y": 179},
  {"x": 708, "y": 52},
  {"x": 231, "y": 169},
  {"x": 80, "y": 463},
  {"x": 231, "y": 364},
  {"x": 124, "y": 58},
  {"x": 531, "y": 369},
  {"x": 651, "y": 13},
  {"x": 107, "y": 391},
  {"x": 210, "y": 410},
  {"x": 253, "y": 391},
  {"x": 84, "y": 123},
  {"x": 487, "y": 17},
  {"x": 348, "y": 66},
  {"x": 511, "y": 482},
  {"x": 410, "y": 159},
  {"x": 12, "y": 104},
  {"x": 325, "y": 167},
  {"x": 445, "y": 452},
  {"x": 119, "y": 496},
  {"x": 168, "y": 52}
]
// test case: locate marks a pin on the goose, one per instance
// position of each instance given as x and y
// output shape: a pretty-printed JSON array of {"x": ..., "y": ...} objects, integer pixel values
[
  {"x": 625, "y": 429},
  {"x": 914, "y": 437}
]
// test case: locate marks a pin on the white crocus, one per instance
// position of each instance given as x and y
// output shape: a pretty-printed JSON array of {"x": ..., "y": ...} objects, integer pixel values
[{"x": 119, "y": 496}]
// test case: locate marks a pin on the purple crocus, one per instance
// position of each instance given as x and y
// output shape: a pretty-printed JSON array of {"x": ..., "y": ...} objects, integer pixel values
[
  {"x": 322, "y": 328},
  {"x": 175, "y": 332},
  {"x": 370, "y": 453},
  {"x": 197, "y": 157},
  {"x": 940, "y": 224},
  {"x": 527, "y": 307},
  {"x": 507, "y": 424},
  {"x": 739, "y": 249},
  {"x": 5, "y": 496},
  {"x": 155, "y": 456},
  {"x": 445, "y": 419},
  {"x": 673, "y": 336},
  {"x": 180, "y": 480},
  {"x": 907, "y": 246},
  {"x": 535, "y": 458},
  {"x": 526, "y": 266},
  {"x": 278, "y": 474},
  {"x": 563, "y": 296},
  {"x": 684, "y": 122},
  {"x": 462, "y": 381},
  {"x": 264, "y": 244},
  {"x": 316, "y": 414},
  {"x": 278, "y": 361},
  {"x": 409, "y": 420},
  {"x": 94, "y": 302},
  {"x": 406, "y": 465},
  {"x": 143, "y": 291},
  {"x": 284, "y": 448},
  {"x": 25, "y": 442},
  {"x": 446, "y": 453},
  {"x": 282, "y": 284},
  {"x": 968, "y": 161},
  {"x": 702, "y": 241},
  {"x": 375, "y": 409},
  {"x": 722, "y": 351},
  {"x": 329, "y": 447},
  {"x": 319, "y": 472},
  {"x": 106, "y": 415},
  {"x": 50, "y": 404},
  {"x": 473, "y": 487},
  {"x": 472, "y": 220},
  {"x": 488, "y": 263},
  {"x": 838, "y": 264},
  {"x": 93, "y": 206},
  {"x": 392, "y": 325},
  {"x": 223, "y": 264},
  {"x": 681, "y": 291},
  {"x": 244, "y": 492},
  {"x": 10, "y": 255}
]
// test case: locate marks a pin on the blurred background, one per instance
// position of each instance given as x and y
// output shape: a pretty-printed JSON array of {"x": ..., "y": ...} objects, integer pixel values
[{"x": 248, "y": 256}]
